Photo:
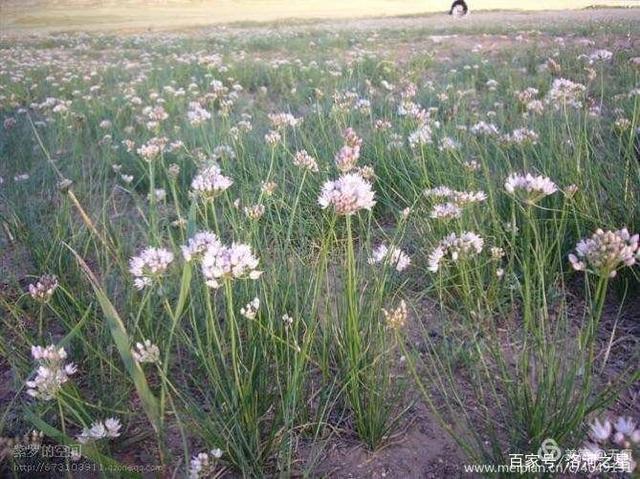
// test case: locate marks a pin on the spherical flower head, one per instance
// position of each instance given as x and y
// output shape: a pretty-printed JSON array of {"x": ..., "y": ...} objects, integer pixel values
[
  {"x": 446, "y": 211},
  {"x": 564, "y": 92},
  {"x": 605, "y": 252},
  {"x": 198, "y": 244},
  {"x": 251, "y": 309},
  {"x": 51, "y": 374},
  {"x": 254, "y": 212},
  {"x": 347, "y": 158},
  {"x": 112, "y": 426},
  {"x": 210, "y": 183},
  {"x": 395, "y": 256},
  {"x": 347, "y": 195},
  {"x": 43, "y": 289},
  {"x": 146, "y": 352},
  {"x": 529, "y": 188},
  {"x": 600, "y": 431},
  {"x": 304, "y": 160},
  {"x": 455, "y": 248},
  {"x": 601, "y": 56},
  {"x": 149, "y": 265},
  {"x": 109, "y": 428},
  {"x": 229, "y": 262},
  {"x": 284, "y": 120},
  {"x": 396, "y": 318},
  {"x": 202, "y": 465}
]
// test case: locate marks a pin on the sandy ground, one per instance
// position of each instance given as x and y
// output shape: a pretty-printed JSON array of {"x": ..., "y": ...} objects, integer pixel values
[{"x": 33, "y": 17}]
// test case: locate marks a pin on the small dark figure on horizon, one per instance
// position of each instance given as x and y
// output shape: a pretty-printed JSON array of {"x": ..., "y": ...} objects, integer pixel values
[{"x": 459, "y": 8}]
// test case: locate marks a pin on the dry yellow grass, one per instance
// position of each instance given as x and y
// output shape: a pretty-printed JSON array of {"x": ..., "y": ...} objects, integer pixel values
[{"x": 66, "y": 15}]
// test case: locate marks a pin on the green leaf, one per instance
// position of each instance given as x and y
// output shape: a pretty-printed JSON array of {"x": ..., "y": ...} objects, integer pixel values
[{"x": 121, "y": 339}]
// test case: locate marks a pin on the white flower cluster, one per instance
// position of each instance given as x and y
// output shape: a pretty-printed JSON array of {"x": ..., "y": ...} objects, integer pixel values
[
  {"x": 605, "y": 252},
  {"x": 44, "y": 288},
  {"x": 521, "y": 136},
  {"x": 529, "y": 188},
  {"x": 202, "y": 465},
  {"x": 347, "y": 157},
  {"x": 146, "y": 352},
  {"x": 220, "y": 262},
  {"x": 421, "y": 136},
  {"x": 564, "y": 92},
  {"x": 396, "y": 318},
  {"x": 283, "y": 120},
  {"x": 600, "y": 56},
  {"x": 395, "y": 256},
  {"x": 196, "y": 114},
  {"x": 254, "y": 212},
  {"x": 150, "y": 264},
  {"x": 455, "y": 248},
  {"x": 251, "y": 309},
  {"x": 604, "y": 435},
  {"x": 109, "y": 428},
  {"x": 347, "y": 195},
  {"x": 457, "y": 200},
  {"x": 483, "y": 128},
  {"x": 153, "y": 148},
  {"x": 52, "y": 373},
  {"x": 445, "y": 211},
  {"x": 198, "y": 244},
  {"x": 304, "y": 160},
  {"x": 210, "y": 183}
]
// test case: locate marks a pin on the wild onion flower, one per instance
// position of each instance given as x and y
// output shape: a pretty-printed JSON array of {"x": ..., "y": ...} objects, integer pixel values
[
  {"x": 283, "y": 120},
  {"x": 287, "y": 320},
  {"x": 607, "y": 436},
  {"x": 202, "y": 465},
  {"x": 149, "y": 265},
  {"x": 347, "y": 157},
  {"x": 605, "y": 252},
  {"x": 421, "y": 136},
  {"x": 251, "y": 309},
  {"x": 223, "y": 152},
  {"x": 347, "y": 195},
  {"x": 483, "y": 128},
  {"x": 455, "y": 248},
  {"x": 229, "y": 262},
  {"x": 146, "y": 352},
  {"x": 153, "y": 148},
  {"x": 304, "y": 160},
  {"x": 268, "y": 187},
  {"x": 254, "y": 212},
  {"x": 565, "y": 93},
  {"x": 600, "y": 56},
  {"x": 196, "y": 114},
  {"x": 445, "y": 211},
  {"x": 600, "y": 431},
  {"x": 458, "y": 199},
  {"x": 51, "y": 374},
  {"x": 626, "y": 432},
  {"x": 198, "y": 244},
  {"x": 395, "y": 256},
  {"x": 396, "y": 318},
  {"x": 521, "y": 136},
  {"x": 272, "y": 138},
  {"x": 43, "y": 289},
  {"x": 109, "y": 428},
  {"x": 448, "y": 144},
  {"x": 529, "y": 188},
  {"x": 210, "y": 183}
]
